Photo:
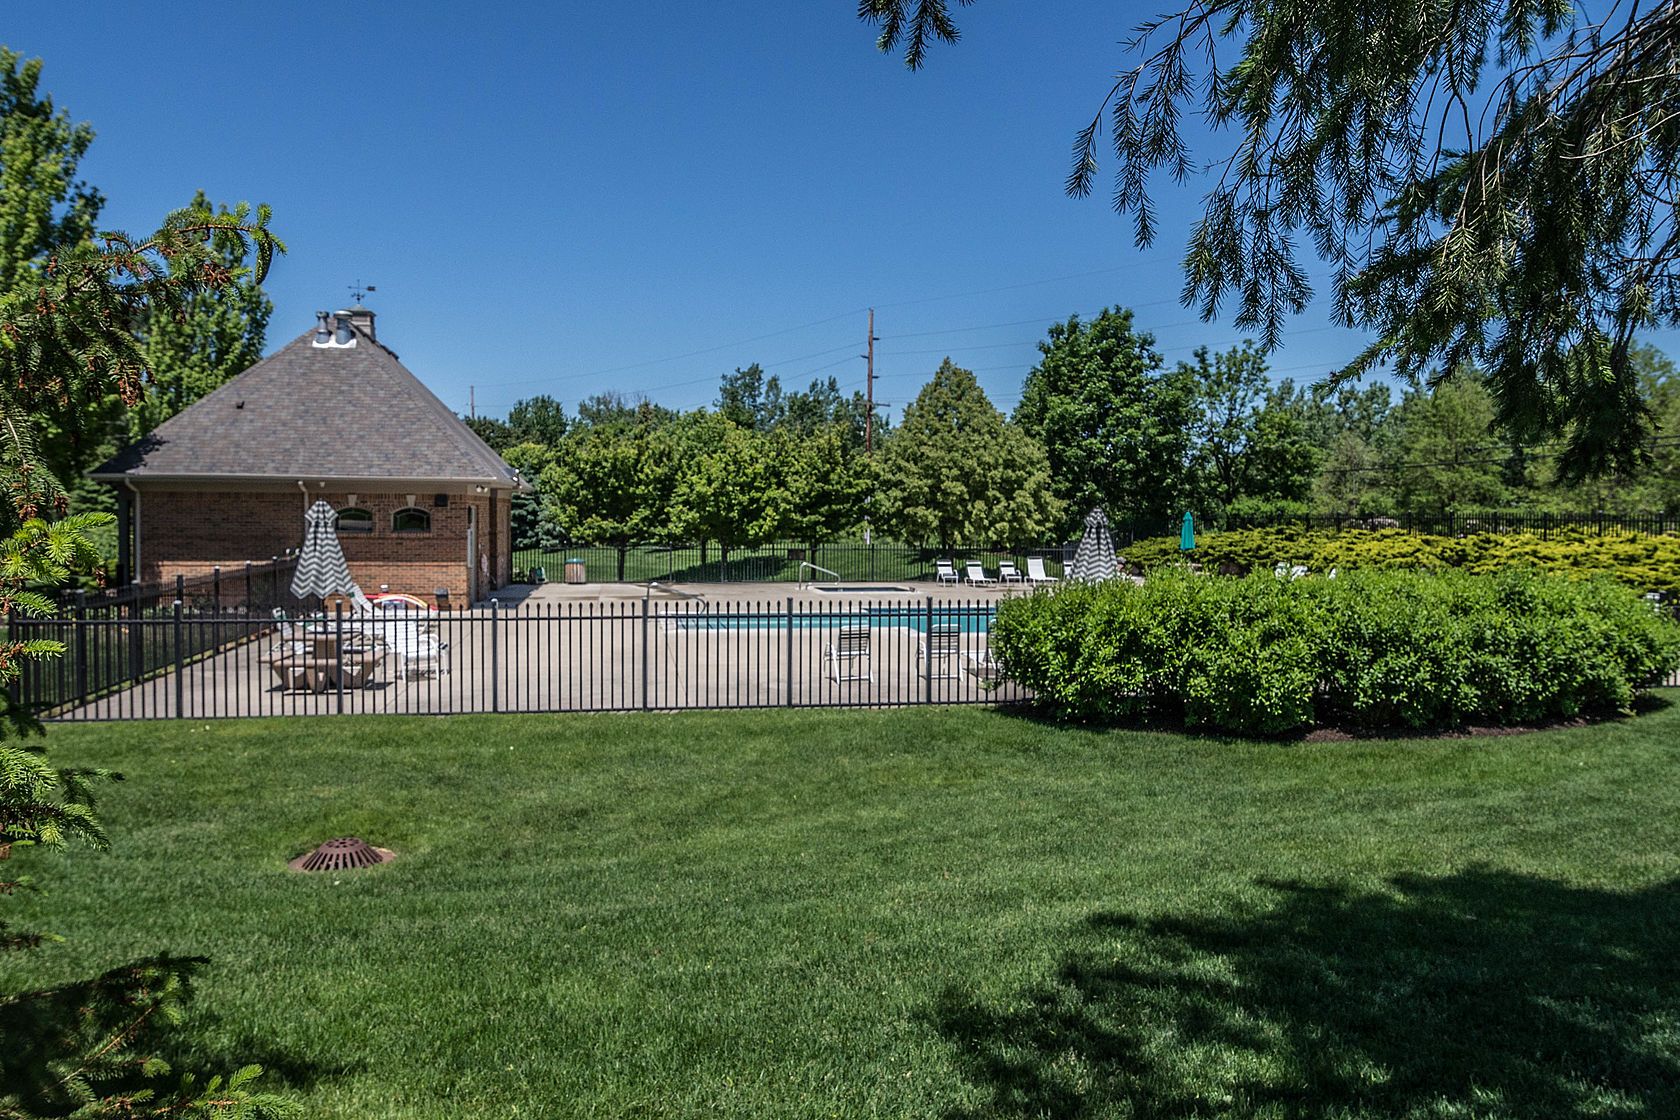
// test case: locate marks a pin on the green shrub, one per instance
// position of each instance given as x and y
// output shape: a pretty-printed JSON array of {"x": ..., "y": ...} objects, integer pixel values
[
  {"x": 1647, "y": 562},
  {"x": 1264, "y": 656}
]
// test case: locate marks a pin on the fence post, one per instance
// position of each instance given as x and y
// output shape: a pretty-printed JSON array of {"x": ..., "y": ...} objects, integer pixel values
[
  {"x": 249, "y": 602},
  {"x": 81, "y": 646},
  {"x": 790, "y": 637},
  {"x": 135, "y": 636},
  {"x": 274, "y": 581},
  {"x": 644, "y": 654},
  {"x": 15, "y": 687},
  {"x": 180, "y": 667},
  {"x": 927, "y": 684},
  {"x": 338, "y": 653},
  {"x": 180, "y": 586},
  {"x": 495, "y": 658},
  {"x": 216, "y": 588}
]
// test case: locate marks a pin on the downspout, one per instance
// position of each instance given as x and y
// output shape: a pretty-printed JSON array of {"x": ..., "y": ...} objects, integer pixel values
[{"x": 135, "y": 575}]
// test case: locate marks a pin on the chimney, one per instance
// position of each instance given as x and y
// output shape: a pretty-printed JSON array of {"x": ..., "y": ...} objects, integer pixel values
[
  {"x": 323, "y": 333},
  {"x": 361, "y": 318}
]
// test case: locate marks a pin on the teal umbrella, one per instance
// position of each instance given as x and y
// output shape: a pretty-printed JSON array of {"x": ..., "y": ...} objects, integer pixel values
[{"x": 1187, "y": 534}]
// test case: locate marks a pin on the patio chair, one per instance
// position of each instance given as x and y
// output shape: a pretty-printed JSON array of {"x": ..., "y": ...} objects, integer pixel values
[
  {"x": 1009, "y": 573},
  {"x": 418, "y": 653},
  {"x": 1035, "y": 571},
  {"x": 291, "y": 635},
  {"x": 977, "y": 574},
  {"x": 943, "y": 643},
  {"x": 850, "y": 646},
  {"x": 945, "y": 571}
]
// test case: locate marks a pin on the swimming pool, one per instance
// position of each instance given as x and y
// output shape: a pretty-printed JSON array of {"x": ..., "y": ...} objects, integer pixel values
[{"x": 861, "y": 588}]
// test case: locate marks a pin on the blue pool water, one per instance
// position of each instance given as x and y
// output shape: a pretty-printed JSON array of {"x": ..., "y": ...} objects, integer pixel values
[{"x": 907, "y": 617}]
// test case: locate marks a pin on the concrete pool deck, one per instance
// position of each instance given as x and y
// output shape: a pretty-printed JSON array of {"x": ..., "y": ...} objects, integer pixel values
[{"x": 614, "y": 647}]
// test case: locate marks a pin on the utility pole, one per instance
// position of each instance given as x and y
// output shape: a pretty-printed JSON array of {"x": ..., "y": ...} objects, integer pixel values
[
  {"x": 472, "y": 401},
  {"x": 869, "y": 390}
]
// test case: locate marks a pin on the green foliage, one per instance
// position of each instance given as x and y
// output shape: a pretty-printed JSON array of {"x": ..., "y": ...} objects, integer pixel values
[
  {"x": 828, "y": 482},
  {"x": 69, "y": 303},
  {"x": 43, "y": 208},
  {"x": 612, "y": 483},
  {"x": 1268, "y": 656},
  {"x": 728, "y": 490},
  {"x": 954, "y": 470},
  {"x": 1115, "y": 429},
  {"x": 1490, "y": 184},
  {"x": 1644, "y": 562},
  {"x": 215, "y": 334}
]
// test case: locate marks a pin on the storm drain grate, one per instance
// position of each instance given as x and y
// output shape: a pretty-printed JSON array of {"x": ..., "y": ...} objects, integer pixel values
[{"x": 341, "y": 854}]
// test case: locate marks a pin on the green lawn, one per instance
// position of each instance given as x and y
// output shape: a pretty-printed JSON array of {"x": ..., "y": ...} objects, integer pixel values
[{"x": 955, "y": 913}]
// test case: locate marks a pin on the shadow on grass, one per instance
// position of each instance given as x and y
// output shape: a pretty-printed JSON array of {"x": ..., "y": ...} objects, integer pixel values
[
  {"x": 90, "y": 1039},
  {"x": 1484, "y": 994},
  {"x": 1171, "y": 720}
]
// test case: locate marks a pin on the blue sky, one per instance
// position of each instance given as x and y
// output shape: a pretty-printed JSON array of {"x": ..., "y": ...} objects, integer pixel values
[{"x": 640, "y": 198}]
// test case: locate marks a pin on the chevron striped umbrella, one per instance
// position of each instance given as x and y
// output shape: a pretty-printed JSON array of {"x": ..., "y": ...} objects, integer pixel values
[
  {"x": 1094, "y": 559},
  {"x": 321, "y": 570}
]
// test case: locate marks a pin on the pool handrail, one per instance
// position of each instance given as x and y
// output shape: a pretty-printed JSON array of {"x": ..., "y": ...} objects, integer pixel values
[
  {"x": 803, "y": 564},
  {"x": 653, "y": 583}
]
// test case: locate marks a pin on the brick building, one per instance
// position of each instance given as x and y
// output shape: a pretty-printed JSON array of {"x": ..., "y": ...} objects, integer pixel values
[{"x": 423, "y": 502}]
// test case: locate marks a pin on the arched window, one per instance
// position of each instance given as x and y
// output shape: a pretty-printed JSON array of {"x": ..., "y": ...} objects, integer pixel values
[
  {"x": 411, "y": 520},
  {"x": 354, "y": 520}
]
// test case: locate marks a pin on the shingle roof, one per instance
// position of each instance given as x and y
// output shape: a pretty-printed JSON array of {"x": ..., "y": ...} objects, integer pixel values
[{"x": 310, "y": 412}]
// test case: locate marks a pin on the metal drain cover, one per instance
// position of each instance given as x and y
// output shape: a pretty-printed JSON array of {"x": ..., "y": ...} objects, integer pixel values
[{"x": 341, "y": 854}]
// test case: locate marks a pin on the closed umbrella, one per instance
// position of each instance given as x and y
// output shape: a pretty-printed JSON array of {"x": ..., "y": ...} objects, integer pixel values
[
  {"x": 1187, "y": 534},
  {"x": 1094, "y": 559},
  {"x": 321, "y": 570}
]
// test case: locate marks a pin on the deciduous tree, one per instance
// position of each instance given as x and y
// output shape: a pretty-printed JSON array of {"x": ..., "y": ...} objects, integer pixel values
[
  {"x": 1114, "y": 425},
  {"x": 1491, "y": 184}
]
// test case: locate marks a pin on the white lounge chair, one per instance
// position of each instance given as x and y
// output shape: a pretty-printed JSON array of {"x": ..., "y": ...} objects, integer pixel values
[
  {"x": 977, "y": 574},
  {"x": 850, "y": 646},
  {"x": 945, "y": 572},
  {"x": 1035, "y": 571},
  {"x": 1009, "y": 573},
  {"x": 419, "y": 653},
  {"x": 942, "y": 643}
]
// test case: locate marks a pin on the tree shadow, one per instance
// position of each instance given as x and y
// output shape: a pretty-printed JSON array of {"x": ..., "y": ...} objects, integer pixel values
[
  {"x": 98, "y": 1039},
  {"x": 1484, "y": 994}
]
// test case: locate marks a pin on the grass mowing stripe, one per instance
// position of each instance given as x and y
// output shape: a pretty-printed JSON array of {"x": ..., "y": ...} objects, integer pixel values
[{"x": 950, "y": 912}]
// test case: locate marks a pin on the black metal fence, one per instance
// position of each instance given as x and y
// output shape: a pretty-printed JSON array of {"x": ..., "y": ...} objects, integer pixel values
[
  {"x": 881, "y": 560},
  {"x": 780, "y": 562},
  {"x": 254, "y": 588},
  {"x": 559, "y": 657}
]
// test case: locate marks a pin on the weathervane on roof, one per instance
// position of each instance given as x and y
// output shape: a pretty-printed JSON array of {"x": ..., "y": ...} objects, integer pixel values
[{"x": 358, "y": 290}]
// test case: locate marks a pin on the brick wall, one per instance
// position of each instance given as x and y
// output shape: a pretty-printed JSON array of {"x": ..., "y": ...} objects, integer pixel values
[{"x": 191, "y": 532}]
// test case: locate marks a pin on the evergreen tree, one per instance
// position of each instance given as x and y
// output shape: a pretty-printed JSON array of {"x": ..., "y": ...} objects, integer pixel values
[
  {"x": 954, "y": 472},
  {"x": 1491, "y": 184},
  {"x": 80, "y": 1046},
  {"x": 216, "y": 335}
]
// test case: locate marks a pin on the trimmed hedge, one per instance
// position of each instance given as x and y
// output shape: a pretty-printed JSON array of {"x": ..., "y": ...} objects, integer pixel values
[
  {"x": 1264, "y": 656},
  {"x": 1650, "y": 563}
]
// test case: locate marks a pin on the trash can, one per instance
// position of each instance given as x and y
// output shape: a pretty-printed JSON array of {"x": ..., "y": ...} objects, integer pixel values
[
  {"x": 538, "y": 576},
  {"x": 575, "y": 572}
]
